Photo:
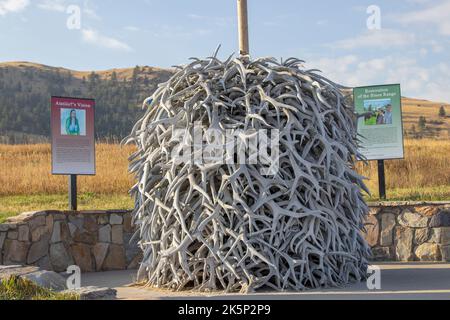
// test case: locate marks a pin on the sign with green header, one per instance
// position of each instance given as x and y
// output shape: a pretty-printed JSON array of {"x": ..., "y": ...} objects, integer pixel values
[{"x": 380, "y": 124}]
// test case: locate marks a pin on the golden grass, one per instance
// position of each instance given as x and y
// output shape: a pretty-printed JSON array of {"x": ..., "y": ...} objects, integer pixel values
[
  {"x": 26, "y": 183},
  {"x": 424, "y": 174},
  {"x": 11, "y": 206},
  {"x": 26, "y": 170}
]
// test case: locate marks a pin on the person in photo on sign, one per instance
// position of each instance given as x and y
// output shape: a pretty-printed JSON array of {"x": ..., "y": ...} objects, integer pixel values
[
  {"x": 388, "y": 114},
  {"x": 380, "y": 117},
  {"x": 72, "y": 125}
]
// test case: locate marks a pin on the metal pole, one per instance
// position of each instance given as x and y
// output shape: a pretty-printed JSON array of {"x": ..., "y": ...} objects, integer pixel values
[
  {"x": 73, "y": 192},
  {"x": 243, "y": 27},
  {"x": 381, "y": 180}
]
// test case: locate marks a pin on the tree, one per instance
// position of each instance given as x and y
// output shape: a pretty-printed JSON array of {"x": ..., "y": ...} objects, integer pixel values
[
  {"x": 146, "y": 81},
  {"x": 114, "y": 77},
  {"x": 92, "y": 80},
  {"x": 422, "y": 123},
  {"x": 136, "y": 72},
  {"x": 442, "y": 112},
  {"x": 69, "y": 77},
  {"x": 93, "y": 77}
]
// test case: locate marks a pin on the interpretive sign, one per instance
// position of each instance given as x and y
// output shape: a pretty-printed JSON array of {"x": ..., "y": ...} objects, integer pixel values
[
  {"x": 73, "y": 137},
  {"x": 380, "y": 122}
]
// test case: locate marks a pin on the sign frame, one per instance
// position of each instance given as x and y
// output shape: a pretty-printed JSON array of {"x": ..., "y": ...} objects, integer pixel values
[
  {"x": 401, "y": 124},
  {"x": 94, "y": 172}
]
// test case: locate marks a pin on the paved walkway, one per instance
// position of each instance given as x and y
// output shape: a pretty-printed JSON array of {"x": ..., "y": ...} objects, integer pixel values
[{"x": 398, "y": 281}]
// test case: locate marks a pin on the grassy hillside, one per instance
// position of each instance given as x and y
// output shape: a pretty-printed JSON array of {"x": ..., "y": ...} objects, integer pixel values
[
  {"x": 122, "y": 73},
  {"x": 26, "y": 89},
  {"x": 436, "y": 126}
]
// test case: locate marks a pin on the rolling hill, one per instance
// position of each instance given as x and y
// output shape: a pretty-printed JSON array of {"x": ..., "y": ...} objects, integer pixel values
[
  {"x": 25, "y": 90},
  {"x": 436, "y": 126},
  {"x": 122, "y": 73}
]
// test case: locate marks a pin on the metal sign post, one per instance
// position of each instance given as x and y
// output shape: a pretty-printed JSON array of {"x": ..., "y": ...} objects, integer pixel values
[
  {"x": 381, "y": 180},
  {"x": 73, "y": 192}
]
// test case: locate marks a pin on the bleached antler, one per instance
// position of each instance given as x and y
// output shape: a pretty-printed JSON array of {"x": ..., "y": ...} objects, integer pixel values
[{"x": 226, "y": 226}]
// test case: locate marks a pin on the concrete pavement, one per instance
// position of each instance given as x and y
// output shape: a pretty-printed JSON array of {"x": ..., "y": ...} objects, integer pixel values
[{"x": 398, "y": 281}]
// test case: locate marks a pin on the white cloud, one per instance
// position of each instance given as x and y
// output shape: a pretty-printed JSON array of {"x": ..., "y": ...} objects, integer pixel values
[
  {"x": 90, "y": 10},
  {"x": 423, "y": 52},
  {"x": 436, "y": 46},
  {"x": 418, "y": 1},
  {"x": 7, "y": 6},
  {"x": 334, "y": 65},
  {"x": 438, "y": 15},
  {"x": 417, "y": 81},
  {"x": 61, "y": 6},
  {"x": 94, "y": 37},
  {"x": 132, "y": 28},
  {"x": 384, "y": 38},
  {"x": 53, "y": 5}
]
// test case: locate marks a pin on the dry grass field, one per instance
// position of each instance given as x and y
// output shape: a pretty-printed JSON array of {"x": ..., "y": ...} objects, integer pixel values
[
  {"x": 436, "y": 126},
  {"x": 26, "y": 182},
  {"x": 26, "y": 170},
  {"x": 424, "y": 174}
]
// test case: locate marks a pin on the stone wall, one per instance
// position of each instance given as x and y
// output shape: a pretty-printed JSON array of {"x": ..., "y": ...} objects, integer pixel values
[
  {"x": 101, "y": 240},
  {"x": 53, "y": 240},
  {"x": 409, "y": 231}
]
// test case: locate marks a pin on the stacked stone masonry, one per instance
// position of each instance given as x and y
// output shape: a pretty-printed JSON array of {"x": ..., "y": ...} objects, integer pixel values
[
  {"x": 52, "y": 240},
  {"x": 102, "y": 240},
  {"x": 409, "y": 231}
]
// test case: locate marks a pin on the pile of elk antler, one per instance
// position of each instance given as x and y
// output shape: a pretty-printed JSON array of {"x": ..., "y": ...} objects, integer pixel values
[{"x": 226, "y": 226}]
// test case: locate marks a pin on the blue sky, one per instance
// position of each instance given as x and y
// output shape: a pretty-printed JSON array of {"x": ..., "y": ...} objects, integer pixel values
[{"x": 412, "y": 47}]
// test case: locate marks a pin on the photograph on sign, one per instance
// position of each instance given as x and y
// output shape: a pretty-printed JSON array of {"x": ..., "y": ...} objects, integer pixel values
[
  {"x": 381, "y": 112},
  {"x": 380, "y": 124},
  {"x": 73, "y": 136},
  {"x": 73, "y": 122}
]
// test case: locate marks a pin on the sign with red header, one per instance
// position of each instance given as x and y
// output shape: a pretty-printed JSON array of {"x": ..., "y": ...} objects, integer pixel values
[{"x": 73, "y": 136}]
